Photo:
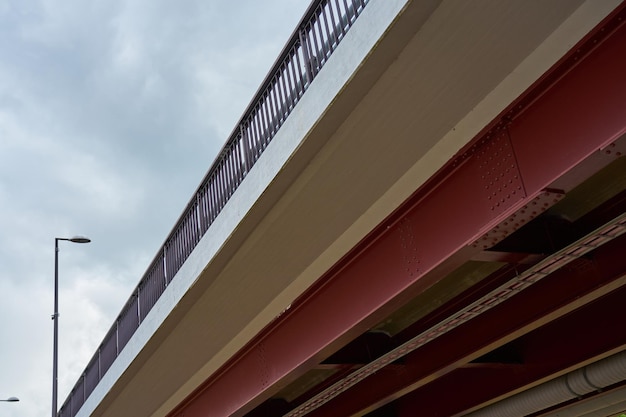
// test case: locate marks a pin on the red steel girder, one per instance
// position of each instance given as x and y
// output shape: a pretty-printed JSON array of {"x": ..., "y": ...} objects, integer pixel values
[
  {"x": 555, "y": 296},
  {"x": 590, "y": 332},
  {"x": 502, "y": 174}
]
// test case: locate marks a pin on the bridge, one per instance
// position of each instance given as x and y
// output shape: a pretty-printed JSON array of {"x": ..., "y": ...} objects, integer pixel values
[{"x": 421, "y": 212}]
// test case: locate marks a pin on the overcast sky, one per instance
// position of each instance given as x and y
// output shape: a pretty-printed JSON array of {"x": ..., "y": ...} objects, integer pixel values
[{"x": 110, "y": 115}]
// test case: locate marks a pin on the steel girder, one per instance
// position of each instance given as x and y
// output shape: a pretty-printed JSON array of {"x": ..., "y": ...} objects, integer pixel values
[
  {"x": 538, "y": 321},
  {"x": 560, "y": 123}
]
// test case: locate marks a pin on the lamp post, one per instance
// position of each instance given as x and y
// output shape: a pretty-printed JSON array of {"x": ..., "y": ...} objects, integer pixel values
[
  {"x": 55, "y": 316},
  {"x": 11, "y": 400}
]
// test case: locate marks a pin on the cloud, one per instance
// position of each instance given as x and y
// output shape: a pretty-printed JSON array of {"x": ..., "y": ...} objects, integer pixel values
[{"x": 110, "y": 113}]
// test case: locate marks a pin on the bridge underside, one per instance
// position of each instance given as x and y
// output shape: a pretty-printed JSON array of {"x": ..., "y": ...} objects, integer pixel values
[
  {"x": 504, "y": 271},
  {"x": 448, "y": 238}
]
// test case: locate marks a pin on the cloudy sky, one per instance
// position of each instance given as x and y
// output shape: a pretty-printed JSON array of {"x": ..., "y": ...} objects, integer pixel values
[{"x": 111, "y": 112}]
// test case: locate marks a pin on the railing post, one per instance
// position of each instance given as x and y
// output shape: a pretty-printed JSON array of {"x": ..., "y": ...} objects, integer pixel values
[
  {"x": 245, "y": 150},
  {"x": 165, "y": 264},
  {"x": 139, "y": 304},
  {"x": 308, "y": 71},
  {"x": 117, "y": 338},
  {"x": 198, "y": 219}
]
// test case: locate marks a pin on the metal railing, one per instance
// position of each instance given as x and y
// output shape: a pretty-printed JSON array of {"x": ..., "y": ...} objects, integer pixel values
[{"x": 323, "y": 26}]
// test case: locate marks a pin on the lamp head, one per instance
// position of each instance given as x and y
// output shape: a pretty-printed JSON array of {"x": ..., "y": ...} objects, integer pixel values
[
  {"x": 12, "y": 399},
  {"x": 79, "y": 239}
]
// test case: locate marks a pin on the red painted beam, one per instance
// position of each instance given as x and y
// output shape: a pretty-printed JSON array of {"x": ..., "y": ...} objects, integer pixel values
[
  {"x": 495, "y": 179},
  {"x": 587, "y": 104},
  {"x": 555, "y": 296},
  {"x": 589, "y": 332}
]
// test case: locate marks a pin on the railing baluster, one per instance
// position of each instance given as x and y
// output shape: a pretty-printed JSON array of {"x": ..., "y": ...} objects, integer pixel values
[
  {"x": 291, "y": 84},
  {"x": 231, "y": 172},
  {"x": 329, "y": 36},
  {"x": 220, "y": 186},
  {"x": 312, "y": 46},
  {"x": 275, "y": 106},
  {"x": 282, "y": 95},
  {"x": 337, "y": 25},
  {"x": 308, "y": 68},
  {"x": 271, "y": 92},
  {"x": 265, "y": 121}
]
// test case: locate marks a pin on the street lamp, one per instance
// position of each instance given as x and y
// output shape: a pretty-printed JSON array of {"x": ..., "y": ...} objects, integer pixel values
[
  {"x": 11, "y": 400},
  {"x": 55, "y": 316}
]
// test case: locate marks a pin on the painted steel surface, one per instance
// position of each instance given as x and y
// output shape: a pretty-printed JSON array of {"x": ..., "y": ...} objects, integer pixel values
[
  {"x": 506, "y": 170},
  {"x": 549, "y": 288}
]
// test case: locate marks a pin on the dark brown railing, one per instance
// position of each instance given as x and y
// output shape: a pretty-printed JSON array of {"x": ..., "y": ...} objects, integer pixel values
[{"x": 321, "y": 29}]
